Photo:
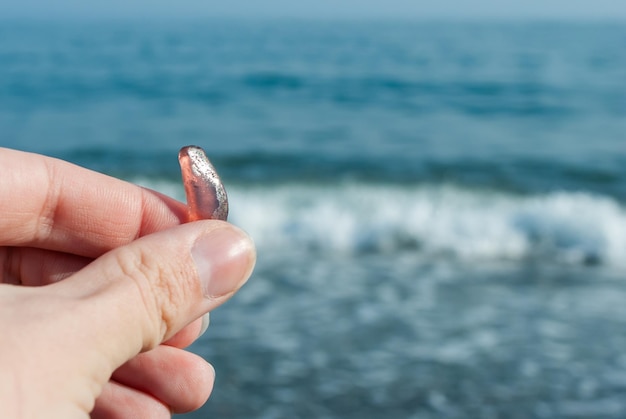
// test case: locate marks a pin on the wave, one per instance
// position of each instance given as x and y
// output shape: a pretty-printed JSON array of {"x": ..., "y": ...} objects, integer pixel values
[
  {"x": 307, "y": 163},
  {"x": 420, "y": 96},
  {"x": 434, "y": 220},
  {"x": 414, "y": 69}
]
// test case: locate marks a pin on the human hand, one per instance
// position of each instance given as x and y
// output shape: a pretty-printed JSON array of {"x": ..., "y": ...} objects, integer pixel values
[{"x": 111, "y": 286}]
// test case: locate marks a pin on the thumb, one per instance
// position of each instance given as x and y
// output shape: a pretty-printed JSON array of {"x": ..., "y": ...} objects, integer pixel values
[{"x": 141, "y": 294}]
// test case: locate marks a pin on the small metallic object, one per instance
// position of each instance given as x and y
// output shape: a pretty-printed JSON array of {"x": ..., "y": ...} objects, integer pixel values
[{"x": 206, "y": 196}]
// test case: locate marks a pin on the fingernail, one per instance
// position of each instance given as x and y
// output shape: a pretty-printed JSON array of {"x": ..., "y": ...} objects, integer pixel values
[
  {"x": 206, "y": 320},
  {"x": 224, "y": 259}
]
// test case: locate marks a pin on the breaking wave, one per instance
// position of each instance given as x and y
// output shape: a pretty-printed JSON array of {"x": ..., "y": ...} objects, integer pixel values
[{"x": 437, "y": 220}]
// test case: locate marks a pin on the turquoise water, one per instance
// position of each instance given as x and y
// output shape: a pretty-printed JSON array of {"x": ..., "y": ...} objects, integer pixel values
[{"x": 440, "y": 208}]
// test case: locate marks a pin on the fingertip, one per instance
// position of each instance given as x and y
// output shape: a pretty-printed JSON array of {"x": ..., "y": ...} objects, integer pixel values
[
  {"x": 201, "y": 381},
  {"x": 177, "y": 378},
  {"x": 224, "y": 259}
]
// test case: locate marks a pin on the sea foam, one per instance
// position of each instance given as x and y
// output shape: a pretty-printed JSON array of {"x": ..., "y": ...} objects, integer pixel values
[{"x": 438, "y": 220}]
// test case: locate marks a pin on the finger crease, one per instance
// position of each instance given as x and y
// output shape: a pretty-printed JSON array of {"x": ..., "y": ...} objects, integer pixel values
[{"x": 49, "y": 208}]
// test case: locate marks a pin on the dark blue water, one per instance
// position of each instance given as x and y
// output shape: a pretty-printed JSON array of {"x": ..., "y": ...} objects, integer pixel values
[{"x": 440, "y": 208}]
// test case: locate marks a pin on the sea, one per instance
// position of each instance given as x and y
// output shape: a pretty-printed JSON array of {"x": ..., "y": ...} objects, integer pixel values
[{"x": 439, "y": 206}]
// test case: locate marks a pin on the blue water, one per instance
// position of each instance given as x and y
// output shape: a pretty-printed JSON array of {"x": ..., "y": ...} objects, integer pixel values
[{"x": 440, "y": 208}]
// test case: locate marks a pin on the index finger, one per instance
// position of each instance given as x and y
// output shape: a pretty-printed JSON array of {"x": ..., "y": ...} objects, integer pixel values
[{"x": 52, "y": 204}]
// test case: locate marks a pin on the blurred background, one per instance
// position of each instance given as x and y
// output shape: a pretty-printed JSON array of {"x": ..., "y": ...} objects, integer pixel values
[{"x": 438, "y": 195}]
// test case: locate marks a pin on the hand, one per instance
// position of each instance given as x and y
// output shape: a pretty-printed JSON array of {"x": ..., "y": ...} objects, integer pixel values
[{"x": 111, "y": 284}]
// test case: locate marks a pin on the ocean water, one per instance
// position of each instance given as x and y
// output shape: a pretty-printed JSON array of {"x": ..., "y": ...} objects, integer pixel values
[{"x": 439, "y": 207}]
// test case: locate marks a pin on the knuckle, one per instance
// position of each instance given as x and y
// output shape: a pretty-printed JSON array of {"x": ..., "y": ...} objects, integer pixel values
[{"x": 162, "y": 291}]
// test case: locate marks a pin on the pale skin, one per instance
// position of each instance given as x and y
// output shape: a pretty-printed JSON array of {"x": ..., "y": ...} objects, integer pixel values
[{"x": 101, "y": 287}]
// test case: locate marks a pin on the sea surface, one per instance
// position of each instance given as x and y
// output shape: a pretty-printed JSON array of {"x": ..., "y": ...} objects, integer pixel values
[{"x": 439, "y": 207}]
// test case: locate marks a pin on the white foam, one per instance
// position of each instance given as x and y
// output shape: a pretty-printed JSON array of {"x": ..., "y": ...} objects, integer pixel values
[{"x": 439, "y": 220}]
